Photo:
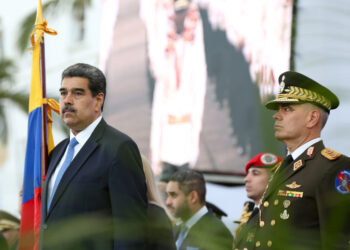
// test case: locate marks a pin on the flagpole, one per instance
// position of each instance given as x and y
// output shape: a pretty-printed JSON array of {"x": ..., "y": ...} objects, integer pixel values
[{"x": 44, "y": 149}]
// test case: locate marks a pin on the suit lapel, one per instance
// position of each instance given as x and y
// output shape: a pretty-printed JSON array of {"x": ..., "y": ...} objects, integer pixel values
[
  {"x": 288, "y": 171},
  {"x": 78, "y": 162}
]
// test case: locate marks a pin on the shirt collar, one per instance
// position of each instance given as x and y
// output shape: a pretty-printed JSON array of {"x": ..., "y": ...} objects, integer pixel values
[
  {"x": 195, "y": 218},
  {"x": 303, "y": 147},
  {"x": 84, "y": 135}
]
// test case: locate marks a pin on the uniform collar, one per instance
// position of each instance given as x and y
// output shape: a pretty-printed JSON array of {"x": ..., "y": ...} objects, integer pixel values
[{"x": 303, "y": 147}]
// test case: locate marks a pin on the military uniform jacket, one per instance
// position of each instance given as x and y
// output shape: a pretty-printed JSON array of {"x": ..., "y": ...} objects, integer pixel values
[
  {"x": 244, "y": 239},
  {"x": 307, "y": 203}
]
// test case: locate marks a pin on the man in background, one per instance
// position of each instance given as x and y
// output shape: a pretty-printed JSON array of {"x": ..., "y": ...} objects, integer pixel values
[
  {"x": 198, "y": 228},
  {"x": 258, "y": 172}
]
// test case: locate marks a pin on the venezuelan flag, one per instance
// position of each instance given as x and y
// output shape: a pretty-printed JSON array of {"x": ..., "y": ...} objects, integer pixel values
[{"x": 36, "y": 144}]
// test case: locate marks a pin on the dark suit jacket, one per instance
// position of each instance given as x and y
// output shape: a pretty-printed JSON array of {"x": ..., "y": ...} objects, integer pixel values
[
  {"x": 209, "y": 233},
  {"x": 101, "y": 201},
  {"x": 302, "y": 208},
  {"x": 160, "y": 234}
]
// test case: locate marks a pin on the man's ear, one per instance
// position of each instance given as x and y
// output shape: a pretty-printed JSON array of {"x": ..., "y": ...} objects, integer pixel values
[
  {"x": 314, "y": 118},
  {"x": 99, "y": 100},
  {"x": 193, "y": 197}
]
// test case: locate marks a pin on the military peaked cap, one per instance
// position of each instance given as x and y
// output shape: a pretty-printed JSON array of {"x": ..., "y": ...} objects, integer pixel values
[
  {"x": 8, "y": 221},
  {"x": 297, "y": 88}
]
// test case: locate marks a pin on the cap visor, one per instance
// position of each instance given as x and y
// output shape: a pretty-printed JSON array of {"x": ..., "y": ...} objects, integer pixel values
[{"x": 274, "y": 103}]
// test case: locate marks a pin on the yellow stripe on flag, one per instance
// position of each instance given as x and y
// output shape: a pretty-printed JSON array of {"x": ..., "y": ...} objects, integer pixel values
[{"x": 35, "y": 99}]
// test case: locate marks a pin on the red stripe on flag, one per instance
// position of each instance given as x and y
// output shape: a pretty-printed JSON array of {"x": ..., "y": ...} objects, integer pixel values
[
  {"x": 27, "y": 225},
  {"x": 29, "y": 238}
]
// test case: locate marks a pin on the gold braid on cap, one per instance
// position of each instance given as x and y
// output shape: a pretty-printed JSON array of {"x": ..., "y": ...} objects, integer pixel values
[{"x": 305, "y": 95}]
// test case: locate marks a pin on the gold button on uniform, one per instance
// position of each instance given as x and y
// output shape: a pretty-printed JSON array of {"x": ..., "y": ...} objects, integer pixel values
[
  {"x": 245, "y": 248},
  {"x": 266, "y": 204},
  {"x": 262, "y": 223},
  {"x": 257, "y": 244},
  {"x": 273, "y": 222},
  {"x": 275, "y": 202},
  {"x": 269, "y": 243}
]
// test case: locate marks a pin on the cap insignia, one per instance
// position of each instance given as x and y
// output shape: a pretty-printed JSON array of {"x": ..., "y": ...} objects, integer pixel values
[
  {"x": 310, "y": 151},
  {"x": 297, "y": 165},
  {"x": 342, "y": 182},
  {"x": 330, "y": 154},
  {"x": 293, "y": 185},
  {"x": 282, "y": 84},
  {"x": 268, "y": 159}
]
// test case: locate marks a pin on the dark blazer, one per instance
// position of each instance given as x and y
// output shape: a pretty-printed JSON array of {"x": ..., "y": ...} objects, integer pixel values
[
  {"x": 101, "y": 201},
  {"x": 209, "y": 233},
  {"x": 160, "y": 233},
  {"x": 302, "y": 209}
]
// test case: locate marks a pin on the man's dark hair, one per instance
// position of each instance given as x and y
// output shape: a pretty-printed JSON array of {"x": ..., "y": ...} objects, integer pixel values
[
  {"x": 97, "y": 80},
  {"x": 190, "y": 180}
]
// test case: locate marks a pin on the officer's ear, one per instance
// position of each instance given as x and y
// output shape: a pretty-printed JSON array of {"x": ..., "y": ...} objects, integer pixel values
[{"x": 314, "y": 118}]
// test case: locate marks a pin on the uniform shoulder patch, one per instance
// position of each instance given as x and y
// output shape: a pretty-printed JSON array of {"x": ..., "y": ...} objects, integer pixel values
[
  {"x": 330, "y": 154},
  {"x": 342, "y": 181}
]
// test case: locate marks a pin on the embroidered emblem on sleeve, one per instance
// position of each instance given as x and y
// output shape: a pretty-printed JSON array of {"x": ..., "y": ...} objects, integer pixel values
[
  {"x": 342, "y": 182},
  {"x": 330, "y": 154}
]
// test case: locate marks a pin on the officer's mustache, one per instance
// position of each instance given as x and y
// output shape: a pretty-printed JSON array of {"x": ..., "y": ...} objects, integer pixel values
[{"x": 68, "y": 108}]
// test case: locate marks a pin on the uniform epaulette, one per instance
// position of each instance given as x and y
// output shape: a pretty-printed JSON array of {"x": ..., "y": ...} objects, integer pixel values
[{"x": 330, "y": 154}]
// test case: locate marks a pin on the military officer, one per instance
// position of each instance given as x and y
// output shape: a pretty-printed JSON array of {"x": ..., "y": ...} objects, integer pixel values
[
  {"x": 306, "y": 204},
  {"x": 258, "y": 172}
]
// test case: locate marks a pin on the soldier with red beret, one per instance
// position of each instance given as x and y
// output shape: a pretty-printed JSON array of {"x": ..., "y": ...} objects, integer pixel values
[{"x": 258, "y": 172}]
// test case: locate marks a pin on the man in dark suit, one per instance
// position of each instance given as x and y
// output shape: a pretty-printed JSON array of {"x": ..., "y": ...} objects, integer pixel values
[
  {"x": 94, "y": 195},
  {"x": 306, "y": 204},
  {"x": 199, "y": 228},
  {"x": 258, "y": 172}
]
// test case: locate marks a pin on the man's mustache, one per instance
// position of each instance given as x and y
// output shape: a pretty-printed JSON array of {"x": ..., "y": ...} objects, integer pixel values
[{"x": 68, "y": 108}]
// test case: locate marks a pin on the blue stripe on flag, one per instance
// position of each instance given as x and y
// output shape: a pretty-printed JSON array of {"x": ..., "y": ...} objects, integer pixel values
[{"x": 32, "y": 168}]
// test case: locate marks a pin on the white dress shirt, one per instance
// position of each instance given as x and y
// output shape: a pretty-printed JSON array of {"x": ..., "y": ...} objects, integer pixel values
[{"x": 81, "y": 137}]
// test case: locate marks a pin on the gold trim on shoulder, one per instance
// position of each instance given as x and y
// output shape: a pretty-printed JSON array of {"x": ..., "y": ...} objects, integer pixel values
[
  {"x": 297, "y": 165},
  {"x": 293, "y": 185},
  {"x": 330, "y": 154}
]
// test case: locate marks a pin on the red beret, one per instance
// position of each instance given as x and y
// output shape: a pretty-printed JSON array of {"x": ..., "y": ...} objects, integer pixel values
[{"x": 263, "y": 160}]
